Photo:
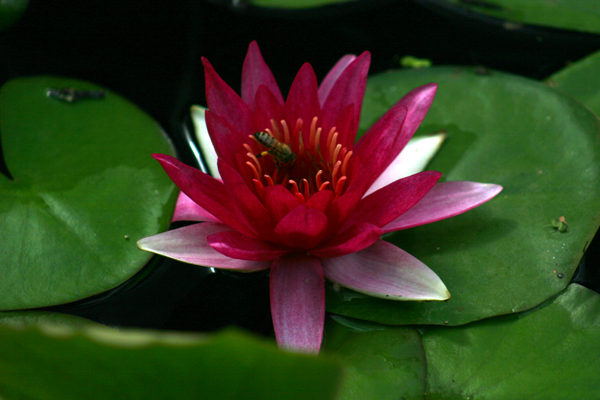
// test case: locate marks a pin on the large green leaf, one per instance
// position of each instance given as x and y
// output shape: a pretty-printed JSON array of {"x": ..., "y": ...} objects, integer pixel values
[
  {"x": 45, "y": 362},
  {"x": 579, "y": 15},
  {"x": 581, "y": 80},
  {"x": 84, "y": 190},
  {"x": 504, "y": 256},
  {"x": 548, "y": 354},
  {"x": 381, "y": 362},
  {"x": 295, "y": 4}
]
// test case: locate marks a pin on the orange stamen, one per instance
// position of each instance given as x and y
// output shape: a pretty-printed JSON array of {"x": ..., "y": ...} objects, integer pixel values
[
  {"x": 286, "y": 132},
  {"x": 306, "y": 189},
  {"x": 269, "y": 180},
  {"x": 253, "y": 168},
  {"x": 336, "y": 169},
  {"x": 336, "y": 152},
  {"x": 332, "y": 146},
  {"x": 324, "y": 185},
  {"x": 313, "y": 129},
  {"x": 258, "y": 186},
  {"x": 346, "y": 162},
  {"x": 318, "y": 178},
  {"x": 253, "y": 157},
  {"x": 339, "y": 186},
  {"x": 276, "y": 134}
]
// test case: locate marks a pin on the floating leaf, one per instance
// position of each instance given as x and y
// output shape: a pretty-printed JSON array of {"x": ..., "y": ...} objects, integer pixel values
[
  {"x": 548, "y": 354},
  {"x": 580, "y": 15},
  {"x": 507, "y": 357},
  {"x": 504, "y": 256},
  {"x": 381, "y": 362},
  {"x": 580, "y": 80},
  {"x": 47, "y": 362},
  {"x": 84, "y": 189}
]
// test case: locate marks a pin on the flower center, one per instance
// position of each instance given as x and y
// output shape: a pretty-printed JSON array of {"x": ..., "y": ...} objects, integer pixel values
[{"x": 280, "y": 156}]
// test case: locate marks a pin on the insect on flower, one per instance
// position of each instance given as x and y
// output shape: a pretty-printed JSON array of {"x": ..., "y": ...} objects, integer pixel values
[{"x": 281, "y": 152}]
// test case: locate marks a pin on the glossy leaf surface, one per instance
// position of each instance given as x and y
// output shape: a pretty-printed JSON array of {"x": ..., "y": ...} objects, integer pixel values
[
  {"x": 580, "y": 15},
  {"x": 551, "y": 353},
  {"x": 295, "y": 4},
  {"x": 381, "y": 362},
  {"x": 504, "y": 256},
  {"x": 84, "y": 189},
  {"x": 93, "y": 362},
  {"x": 580, "y": 80}
]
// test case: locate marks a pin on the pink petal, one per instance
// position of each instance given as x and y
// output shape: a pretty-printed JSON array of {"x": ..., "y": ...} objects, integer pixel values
[
  {"x": 417, "y": 101},
  {"x": 297, "y": 292},
  {"x": 226, "y": 139},
  {"x": 187, "y": 210},
  {"x": 395, "y": 199},
  {"x": 389, "y": 135},
  {"x": 302, "y": 228},
  {"x": 356, "y": 238},
  {"x": 383, "y": 270},
  {"x": 279, "y": 201},
  {"x": 188, "y": 244},
  {"x": 380, "y": 145},
  {"x": 247, "y": 202},
  {"x": 412, "y": 159},
  {"x": 303, "y": 100},
  {"x": 206, "y": 191},
  {"x": 445, "y": 200},
  {"x": 349, "y": 88},
  {"x": 320, "y": 200},
  {"x": 235, "y": 245},
  {"x": 266, "y": 108},
  {"x": 333, "y": 75},
  {"x": 224, "y": 101},
  {"x": 255, "y": 73}
]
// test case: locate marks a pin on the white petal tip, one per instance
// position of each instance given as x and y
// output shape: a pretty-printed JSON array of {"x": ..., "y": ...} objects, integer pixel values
[{"x": 206, "y": 146}]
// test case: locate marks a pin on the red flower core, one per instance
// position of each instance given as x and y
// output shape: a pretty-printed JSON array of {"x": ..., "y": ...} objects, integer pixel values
[{"x": 304, "y": 163}]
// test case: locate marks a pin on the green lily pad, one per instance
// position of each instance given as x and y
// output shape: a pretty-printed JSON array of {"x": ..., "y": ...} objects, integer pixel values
[
  {"x": 548, "y": 354},
  {"x": 580, "y": 15},
  {"x": 295, "y": 4},
  {"x": 381, "y": 362},
  {"x": 580, "y": 80},
  {"x": 504, "y": 256},
  {"x": 47, "y": 362},
  {"x": 84, "y": 190},
  {"x": 21, "y": 319}
]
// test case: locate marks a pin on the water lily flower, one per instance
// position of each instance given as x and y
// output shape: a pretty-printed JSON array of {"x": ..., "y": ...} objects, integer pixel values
[{"x": 303, "y": 199}]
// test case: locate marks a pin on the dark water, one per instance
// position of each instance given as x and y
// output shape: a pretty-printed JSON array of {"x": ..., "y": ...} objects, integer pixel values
[{"x": 150, "y": 52}]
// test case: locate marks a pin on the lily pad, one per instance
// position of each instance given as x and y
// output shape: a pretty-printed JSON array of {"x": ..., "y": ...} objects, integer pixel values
[
  {"x": 504, "y": 256},
  {"x": 580, "y": 15},
  {"x": 580, "y": 80},
  {"x": 82, "y": 190},
  {"x": 295, "y": 4},
  {"x": 47, "y": 362},
  {"x": 381, "y": 362},
  {"x": 548, "y": 354}
]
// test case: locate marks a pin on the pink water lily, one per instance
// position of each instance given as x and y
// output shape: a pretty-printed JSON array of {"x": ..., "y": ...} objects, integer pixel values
[{"x": 308, "y": 202}]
